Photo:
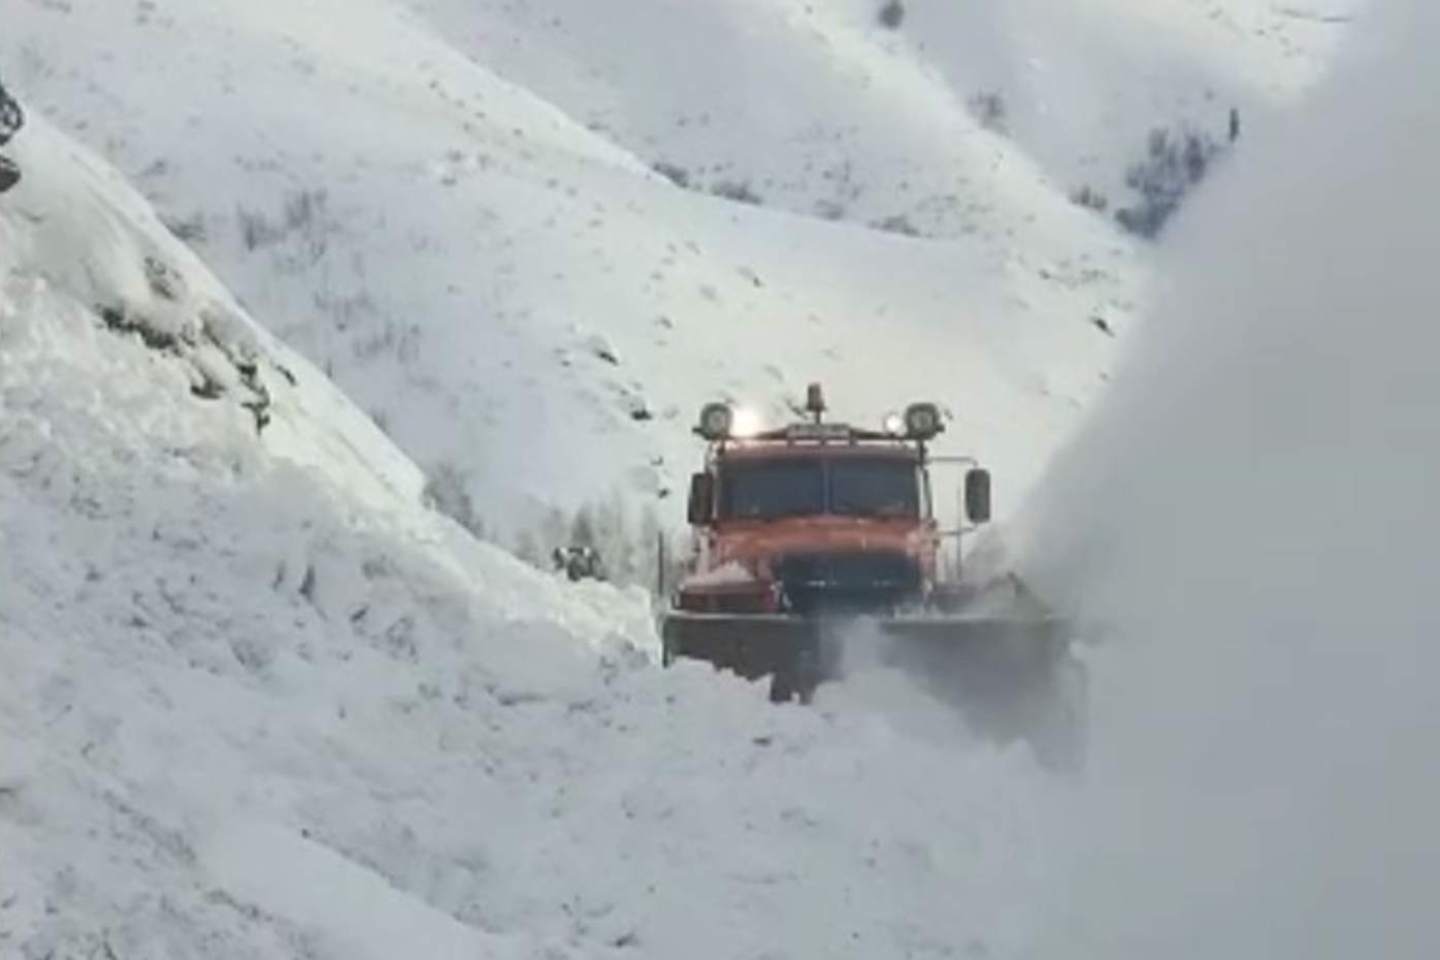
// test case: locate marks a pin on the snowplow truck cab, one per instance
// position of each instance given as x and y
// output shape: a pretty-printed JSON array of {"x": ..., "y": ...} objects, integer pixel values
[{"x": 819, "y": 538}]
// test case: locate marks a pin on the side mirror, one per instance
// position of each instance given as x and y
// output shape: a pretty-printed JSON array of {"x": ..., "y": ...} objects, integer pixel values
[
  {"x": 977, "y": 495},
  {"x": 702, "y": 499}
]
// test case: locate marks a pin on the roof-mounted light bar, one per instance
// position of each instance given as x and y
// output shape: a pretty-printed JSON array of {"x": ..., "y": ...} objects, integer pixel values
[{"x": 721, "y": 421}]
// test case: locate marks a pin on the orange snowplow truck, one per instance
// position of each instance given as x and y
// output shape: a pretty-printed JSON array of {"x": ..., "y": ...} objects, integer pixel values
[{"x": 819, "y": 538}]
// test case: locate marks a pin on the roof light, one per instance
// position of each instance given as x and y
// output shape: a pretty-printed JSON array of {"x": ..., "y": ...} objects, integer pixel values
[
  {"x": 922, "y": 421},
  {"x": 894, "y": 424},
  {"x": 716, "y": 420},
  {"x": 745, "y": 423},
  {"x": 815, "y": 401}
]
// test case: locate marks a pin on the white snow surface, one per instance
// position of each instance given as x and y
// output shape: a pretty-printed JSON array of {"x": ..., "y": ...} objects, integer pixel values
[
  {"x": 446, "y": 206},
  {"x": 818, "y": 106},
  {"x": 733, "y": 573},
  {"x": 256, "y": 702}
]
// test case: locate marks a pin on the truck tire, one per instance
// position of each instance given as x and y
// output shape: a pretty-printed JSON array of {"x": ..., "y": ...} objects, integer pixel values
[{"x": 798, "y": 678}]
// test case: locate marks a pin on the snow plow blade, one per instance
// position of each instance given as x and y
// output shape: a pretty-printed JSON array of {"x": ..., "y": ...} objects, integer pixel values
[
  {"x": 1012, "y": 677},
  {"x": 754, "y": 646}
]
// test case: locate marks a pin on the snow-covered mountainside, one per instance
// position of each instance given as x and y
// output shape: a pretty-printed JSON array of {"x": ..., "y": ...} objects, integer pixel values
[
  {"x": 502, "y": 281},
  {"x": 450, "y": 206},
  {"x": 865, "y": 110},
  {"x": 257, "y": 702}
]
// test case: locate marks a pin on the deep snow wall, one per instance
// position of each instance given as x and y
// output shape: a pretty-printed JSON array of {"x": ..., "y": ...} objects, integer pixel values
[{"x": 1253, "y": 514}]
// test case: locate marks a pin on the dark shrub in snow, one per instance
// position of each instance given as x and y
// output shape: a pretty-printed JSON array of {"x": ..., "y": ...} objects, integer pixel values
[
  {"x": 673, "y": 172},
  {"x": 1090, "y": 198},
  {"x": 11, "y": 120},
  {"x": 447, "y": 491},
  {"x": 897, "y": 224},
  {"x": 988, "y": 108},
  {"x": 1174, "y": 163},
  {"x": 737, "y": 190}
]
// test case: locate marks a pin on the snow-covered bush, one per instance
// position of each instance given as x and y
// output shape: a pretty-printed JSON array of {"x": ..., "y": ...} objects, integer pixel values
[
  {"x": 989, "y": 110},
  {"x": 898, "y": 223},
  {"x": 189, "y": 229},
  {"x": 447, "y": 491},
  {"x": 632, "y": 544},
  {"x": 303, "y": 223},
  {"x": 1175, "y": 161},
  {"x": 1090, "y": 198},
  {"x": 673, "y": 172},
  {"x": 737, "y": 190}
]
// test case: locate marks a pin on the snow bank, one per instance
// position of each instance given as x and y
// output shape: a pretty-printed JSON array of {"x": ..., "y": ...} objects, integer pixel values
[
  {"x": 76, "y": 232},
  {"x": 353, "y": 911},
  {"x": 191, "y": 513}
]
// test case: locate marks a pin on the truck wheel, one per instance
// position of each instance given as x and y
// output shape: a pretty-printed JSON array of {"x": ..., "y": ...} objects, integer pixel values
[
  {"x": 796, "y": 680},
  {"x": 782, "y": 687},
  {"x": 807, "y": 674}
]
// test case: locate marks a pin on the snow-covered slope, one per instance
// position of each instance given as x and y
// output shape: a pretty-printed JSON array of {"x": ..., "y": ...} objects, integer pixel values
[
  {"x": 196, "y": 526},
  {"x": 822, "y": 108},
  {"x": 256, "y": 702},
  {"x": 1083, "y": 84},
  {"x": 514, "y": 295}
]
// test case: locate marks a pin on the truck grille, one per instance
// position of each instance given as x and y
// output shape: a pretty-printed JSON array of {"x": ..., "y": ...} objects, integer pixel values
[{"x": 816, "y": 583}]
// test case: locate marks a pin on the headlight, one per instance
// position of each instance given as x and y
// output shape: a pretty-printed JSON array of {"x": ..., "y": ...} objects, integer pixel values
[
  {"x": 745, "y": 422},
  {"x": 922, "y": 421},
  {"x": 715, "y": 421}
]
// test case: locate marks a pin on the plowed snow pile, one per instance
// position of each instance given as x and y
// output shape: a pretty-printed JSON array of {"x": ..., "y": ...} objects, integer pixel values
[{"x": 255, "y": 702}]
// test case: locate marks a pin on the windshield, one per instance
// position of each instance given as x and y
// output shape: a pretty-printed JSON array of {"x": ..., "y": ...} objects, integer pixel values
[
  {"x": 773, "y": 488},
  {"x": 874, "y": 488},
  {"x": 800, "y": 487}
]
